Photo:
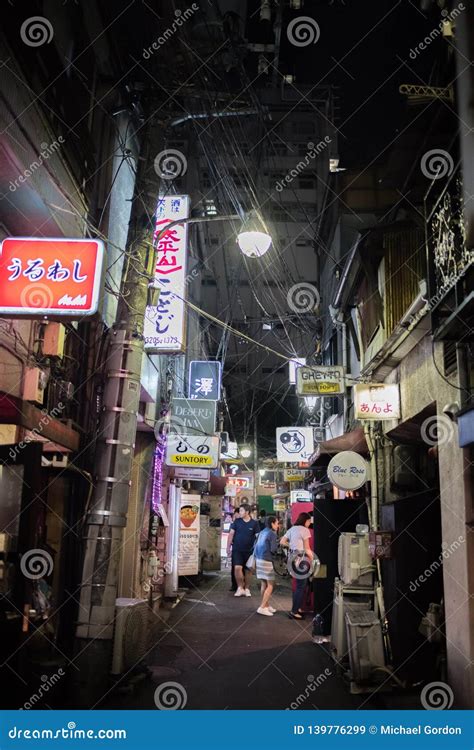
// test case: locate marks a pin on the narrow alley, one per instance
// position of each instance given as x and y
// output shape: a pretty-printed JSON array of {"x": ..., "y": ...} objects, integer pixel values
[{"x": 221, "y": 654}]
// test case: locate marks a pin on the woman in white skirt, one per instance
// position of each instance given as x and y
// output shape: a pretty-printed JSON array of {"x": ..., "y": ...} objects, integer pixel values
[{"x": 265, "y": 548}]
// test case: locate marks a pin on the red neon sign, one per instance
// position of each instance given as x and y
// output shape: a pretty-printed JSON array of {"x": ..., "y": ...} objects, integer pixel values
[{"x": 52, "y": 277}]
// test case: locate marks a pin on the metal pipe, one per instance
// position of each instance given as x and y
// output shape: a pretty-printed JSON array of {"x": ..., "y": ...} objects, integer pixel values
[{"x": 206, "y": 115}]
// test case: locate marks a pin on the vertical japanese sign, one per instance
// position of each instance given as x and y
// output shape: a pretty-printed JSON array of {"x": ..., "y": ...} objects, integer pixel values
[
  {"x": 188, "y": 550},
  {"x": 205, "y": 380},
  {"x": 55, "y": 277},
  {"x": 164, "y": 326}
]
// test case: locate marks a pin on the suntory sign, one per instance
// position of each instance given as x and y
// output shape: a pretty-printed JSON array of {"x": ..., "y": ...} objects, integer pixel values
[{"x": 320, "y": 381}]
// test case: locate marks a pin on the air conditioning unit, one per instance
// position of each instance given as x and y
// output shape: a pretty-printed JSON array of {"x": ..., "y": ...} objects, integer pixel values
[
  {"x": 354, "y": 562},
  {"x": 130, "y": 635},
  {"x": 365, "y": 646},
  {"x": 342, "y": 605}
]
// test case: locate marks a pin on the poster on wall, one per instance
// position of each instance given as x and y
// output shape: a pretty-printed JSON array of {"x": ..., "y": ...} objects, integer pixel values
[{"x": 188, "y": 549}]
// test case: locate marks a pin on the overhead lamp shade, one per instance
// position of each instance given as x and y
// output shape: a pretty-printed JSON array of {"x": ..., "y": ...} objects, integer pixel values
[
  {"x": 253, "y": 238},
  {"x": 254, "y": 244}
]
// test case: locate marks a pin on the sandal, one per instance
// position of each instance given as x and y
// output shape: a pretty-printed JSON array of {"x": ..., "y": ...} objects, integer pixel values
[{"x": 295, "y": 616}]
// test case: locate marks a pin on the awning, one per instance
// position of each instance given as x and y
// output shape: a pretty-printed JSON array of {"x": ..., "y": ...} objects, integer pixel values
[
  {"x": 43, "y": 426},
  {"x": 350, "y": 441}
]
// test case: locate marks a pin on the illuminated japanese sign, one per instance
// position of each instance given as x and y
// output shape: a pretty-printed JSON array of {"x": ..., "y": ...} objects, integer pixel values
[
  {"x": 54, "y": 277},
  {"x": 205, "y": 380},
  {"x": 164, "y": 327},
  {"x": 377, "y": 401}
]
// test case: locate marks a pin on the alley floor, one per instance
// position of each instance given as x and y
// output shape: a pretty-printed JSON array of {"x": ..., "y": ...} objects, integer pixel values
[{"x": 223, "y": 655}]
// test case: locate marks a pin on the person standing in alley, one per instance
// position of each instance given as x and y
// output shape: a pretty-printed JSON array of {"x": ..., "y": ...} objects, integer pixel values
[
  {"x": 298, "y": 540},
  {"x": 233, "y": 586},
  {"x": 265, "y": 548},
  {"x": 241, "y": 540}
]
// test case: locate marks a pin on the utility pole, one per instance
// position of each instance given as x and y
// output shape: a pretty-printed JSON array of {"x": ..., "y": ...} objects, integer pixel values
[{"x": 107, "y": 514}]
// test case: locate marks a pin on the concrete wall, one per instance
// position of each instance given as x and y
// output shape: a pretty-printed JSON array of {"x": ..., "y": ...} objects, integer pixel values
[{"x": 422, "y": 385}]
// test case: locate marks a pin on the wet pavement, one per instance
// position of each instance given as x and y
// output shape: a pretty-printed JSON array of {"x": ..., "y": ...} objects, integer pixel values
[{"x": 223, "y": 655}]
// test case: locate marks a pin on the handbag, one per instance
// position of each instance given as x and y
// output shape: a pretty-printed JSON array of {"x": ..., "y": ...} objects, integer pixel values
[{"x": 251, "y": 563}]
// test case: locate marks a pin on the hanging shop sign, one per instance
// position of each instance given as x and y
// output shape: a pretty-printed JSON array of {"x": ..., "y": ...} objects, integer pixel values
[
  {"x": 293, "y": 365},
  {"x": 205, "y": 380},
  {"x": 188, "y": 545},
  {"x": 291, "y": 475},
  {"x": 192, "y": 450},
  {"x": 379, "y": 401},
  {"x": 294, "y": 443},
  {"x": 232, "y": 452},
  {"x": 279, "y": 504},
  {"x": 320, "y": 381},
  {"x": 347, "y": 470},
  {"x": 196, "y": 417},
  {"x": 53, "y": 277},
  {"x": 300, "y": 496},
  {"x": 202, "y": 475},
  {"x": 164, "y": 325}
]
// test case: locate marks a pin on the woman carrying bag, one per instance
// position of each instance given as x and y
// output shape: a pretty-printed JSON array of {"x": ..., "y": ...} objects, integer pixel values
[
  {"x": 300, "y": 560},
  {"x": 265, "y": 548}
]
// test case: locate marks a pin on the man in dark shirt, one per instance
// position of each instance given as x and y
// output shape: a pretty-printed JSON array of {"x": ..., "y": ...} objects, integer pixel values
[{"x": 241, "y": 539}]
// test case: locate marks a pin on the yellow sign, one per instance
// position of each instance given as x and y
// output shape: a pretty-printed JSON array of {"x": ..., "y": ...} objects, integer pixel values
[
  {"x": 316, "y": 389},
  {"x": 191, "y": 460}
]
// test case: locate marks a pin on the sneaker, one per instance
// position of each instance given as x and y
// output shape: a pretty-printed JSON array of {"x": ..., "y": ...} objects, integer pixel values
[
  {"x": 247, "y": 592},
  {"x": 272, "y": 610},
  {"x": 240, "y": 592},
  {"x": 264, "y": 611}
]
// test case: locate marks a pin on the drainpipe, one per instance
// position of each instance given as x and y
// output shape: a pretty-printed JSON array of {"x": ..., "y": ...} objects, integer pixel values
[{"x": 172, "y": 541}]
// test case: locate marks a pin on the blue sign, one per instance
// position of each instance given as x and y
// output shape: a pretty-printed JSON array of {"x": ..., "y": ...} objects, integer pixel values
[{"x": 205, "y": 380}]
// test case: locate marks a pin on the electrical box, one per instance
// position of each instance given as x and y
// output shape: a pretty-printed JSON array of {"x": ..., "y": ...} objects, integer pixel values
[
  {"x": 53, "y": 341},
  {"x": 34, "y": 383},
  {"x": 380, "y": 545}
]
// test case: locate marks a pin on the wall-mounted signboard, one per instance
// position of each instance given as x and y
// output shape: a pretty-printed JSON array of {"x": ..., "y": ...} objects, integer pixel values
[
  {"x": 53, "y": 277},
  {"x": 164, "y": 325},
  {"x": 196, "y": 416},
  {"x": 379, "y": 401},
  {"x": 192, "y": 450},
  {"x": 320, "y": 381},
  {"x": 294, "y": 444},
  {"x": 347, "y": 470}
]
